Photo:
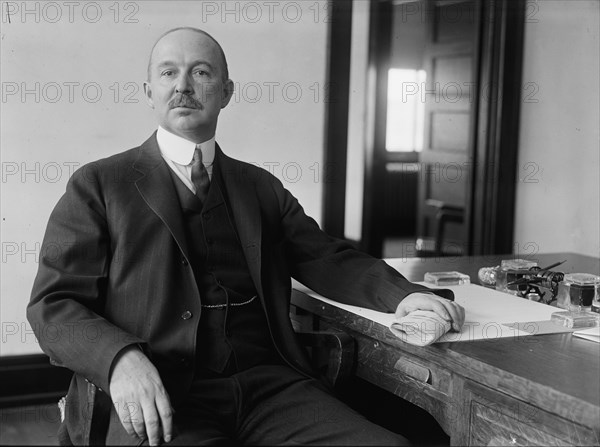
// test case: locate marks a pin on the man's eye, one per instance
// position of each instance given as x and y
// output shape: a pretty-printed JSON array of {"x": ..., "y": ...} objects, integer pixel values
[
  {"x": 201, "y": 73},
  {"x": 167, "y": 73}
]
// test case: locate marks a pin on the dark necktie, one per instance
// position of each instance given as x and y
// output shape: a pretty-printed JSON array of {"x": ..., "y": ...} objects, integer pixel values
[{"x": 200, "y": 176}]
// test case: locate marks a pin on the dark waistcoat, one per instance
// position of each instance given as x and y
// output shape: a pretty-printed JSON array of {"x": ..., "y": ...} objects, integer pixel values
[{"x": 233, "y": 333}]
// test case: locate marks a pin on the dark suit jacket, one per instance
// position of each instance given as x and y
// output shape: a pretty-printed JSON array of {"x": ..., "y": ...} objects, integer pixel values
[{"x": 114, "y": 270}]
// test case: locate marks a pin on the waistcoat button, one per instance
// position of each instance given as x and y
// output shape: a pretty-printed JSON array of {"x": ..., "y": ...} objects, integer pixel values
[{"x": 186, "y": 315}]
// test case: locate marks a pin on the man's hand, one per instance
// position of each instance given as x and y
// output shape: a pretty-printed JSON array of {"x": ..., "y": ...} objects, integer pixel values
[
  {"x": 139, "y": 397},
  {"x": 448, "y": 310}
]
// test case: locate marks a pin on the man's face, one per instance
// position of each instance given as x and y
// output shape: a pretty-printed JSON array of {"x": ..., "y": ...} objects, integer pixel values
[{"x": 186, "y": 86}]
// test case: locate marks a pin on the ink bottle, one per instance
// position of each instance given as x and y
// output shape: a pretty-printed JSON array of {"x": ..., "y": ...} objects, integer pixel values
[
  {"x": 509, "y": 271},
  {"x": 578, "y": 291}
]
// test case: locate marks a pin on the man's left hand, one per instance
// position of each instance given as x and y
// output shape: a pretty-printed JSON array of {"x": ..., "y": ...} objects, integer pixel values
[{"x": 448, "y": 310}]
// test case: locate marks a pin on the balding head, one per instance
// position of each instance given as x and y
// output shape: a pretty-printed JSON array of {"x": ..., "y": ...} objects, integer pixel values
[
  {"x": 188, "y": 83},
  {"x": 223, "y": 68}
]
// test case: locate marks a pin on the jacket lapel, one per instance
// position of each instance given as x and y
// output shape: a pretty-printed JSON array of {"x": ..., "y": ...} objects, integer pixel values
[
  {"x": 241, "y": 196},
  {"x": 157, "y": 190}
]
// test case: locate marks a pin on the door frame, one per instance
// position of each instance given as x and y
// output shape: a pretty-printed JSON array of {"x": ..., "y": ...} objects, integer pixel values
[
  {"x": 492, "y": 209},
  {"x": 491, "y": 196}
]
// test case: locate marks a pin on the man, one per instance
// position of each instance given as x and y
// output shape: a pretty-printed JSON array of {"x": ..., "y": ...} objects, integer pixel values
[{"x": 169, "y": 298}]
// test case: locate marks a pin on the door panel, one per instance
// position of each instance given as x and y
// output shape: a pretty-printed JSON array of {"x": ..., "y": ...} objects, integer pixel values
[
  {"x": 449, "y": 93},
  {"x": 448, "y": 132}
]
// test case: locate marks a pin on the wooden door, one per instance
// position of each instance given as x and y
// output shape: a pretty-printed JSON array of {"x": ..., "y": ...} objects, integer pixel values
[{"x": 449, "y": 94}]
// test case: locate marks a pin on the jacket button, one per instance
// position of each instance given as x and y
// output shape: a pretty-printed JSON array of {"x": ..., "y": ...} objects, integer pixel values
[
  {"x": 186, "y": 315},
  {"x": 207, "y": 216},
  {"x": 184, "y": 261}
]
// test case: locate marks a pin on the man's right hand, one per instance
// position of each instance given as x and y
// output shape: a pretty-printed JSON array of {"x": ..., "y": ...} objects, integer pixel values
[{"x": 140, "y": 398}]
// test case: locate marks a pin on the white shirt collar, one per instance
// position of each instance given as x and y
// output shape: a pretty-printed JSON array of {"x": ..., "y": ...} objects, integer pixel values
[{"x": 181, "y": 151}]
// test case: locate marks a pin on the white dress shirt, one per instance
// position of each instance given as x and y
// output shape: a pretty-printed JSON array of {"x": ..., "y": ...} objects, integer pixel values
[{"x": 179, "y": 155}]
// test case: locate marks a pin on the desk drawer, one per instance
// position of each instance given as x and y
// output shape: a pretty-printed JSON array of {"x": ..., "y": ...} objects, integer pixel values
[
  {"x": 399, "y": 365},
  {"x": 379, "y": 359},
  {"x": 497, "y": 419},
  {"x": 414, "y": 379}
]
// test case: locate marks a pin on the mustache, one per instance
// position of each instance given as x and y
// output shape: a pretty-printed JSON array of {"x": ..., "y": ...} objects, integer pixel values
[{"x": 180, "y": 100}]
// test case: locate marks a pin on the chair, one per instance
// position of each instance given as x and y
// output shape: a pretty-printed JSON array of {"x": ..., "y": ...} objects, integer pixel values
[
  {"x": 441, "y": 214},
  {"x": 331, "y": 354}
]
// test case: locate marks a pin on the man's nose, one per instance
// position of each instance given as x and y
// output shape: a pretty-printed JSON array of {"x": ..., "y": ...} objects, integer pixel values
[{"x": 184, "y": 84}]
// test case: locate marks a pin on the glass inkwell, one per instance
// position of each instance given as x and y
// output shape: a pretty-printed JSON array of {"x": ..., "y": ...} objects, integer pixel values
[
  {"x": 577, "y": 293},
  {"x": 511, "y": 270}
]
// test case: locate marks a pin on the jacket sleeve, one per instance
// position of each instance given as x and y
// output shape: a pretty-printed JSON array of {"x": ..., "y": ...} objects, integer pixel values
[
  {"x": 67, "y": 300},
  {"x": 333, "y": 268}
]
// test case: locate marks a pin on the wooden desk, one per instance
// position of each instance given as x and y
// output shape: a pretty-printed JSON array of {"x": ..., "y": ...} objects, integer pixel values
[
  {"x": 415, "y": 268},
  {"x": 538, "y": 390}
]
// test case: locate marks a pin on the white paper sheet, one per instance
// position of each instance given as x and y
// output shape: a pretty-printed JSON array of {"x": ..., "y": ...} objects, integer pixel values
[
  {"x": 487, "y": 313},
  {"x": 592, "y": 334}
]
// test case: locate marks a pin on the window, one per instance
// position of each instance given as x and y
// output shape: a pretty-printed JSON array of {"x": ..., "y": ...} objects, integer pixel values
[{"x": 405, "y": 110}]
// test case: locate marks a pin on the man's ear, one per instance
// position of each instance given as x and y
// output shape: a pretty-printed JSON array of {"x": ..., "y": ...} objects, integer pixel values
[
  {"x": 227, "y": 93},
  {"x": 148, "y": 93}
]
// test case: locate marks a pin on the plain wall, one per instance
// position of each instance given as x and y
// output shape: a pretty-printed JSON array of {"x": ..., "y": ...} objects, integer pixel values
[
  {"x": 72, "y": 93},
  {"x": 558, "y": 194}
]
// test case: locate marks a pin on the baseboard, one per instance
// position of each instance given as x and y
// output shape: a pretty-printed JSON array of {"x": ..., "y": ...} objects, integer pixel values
[{"x": 31, "y": 380}]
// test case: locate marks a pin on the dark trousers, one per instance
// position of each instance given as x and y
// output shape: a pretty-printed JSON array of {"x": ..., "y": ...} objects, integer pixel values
[{"x": 266, "y": 405}]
